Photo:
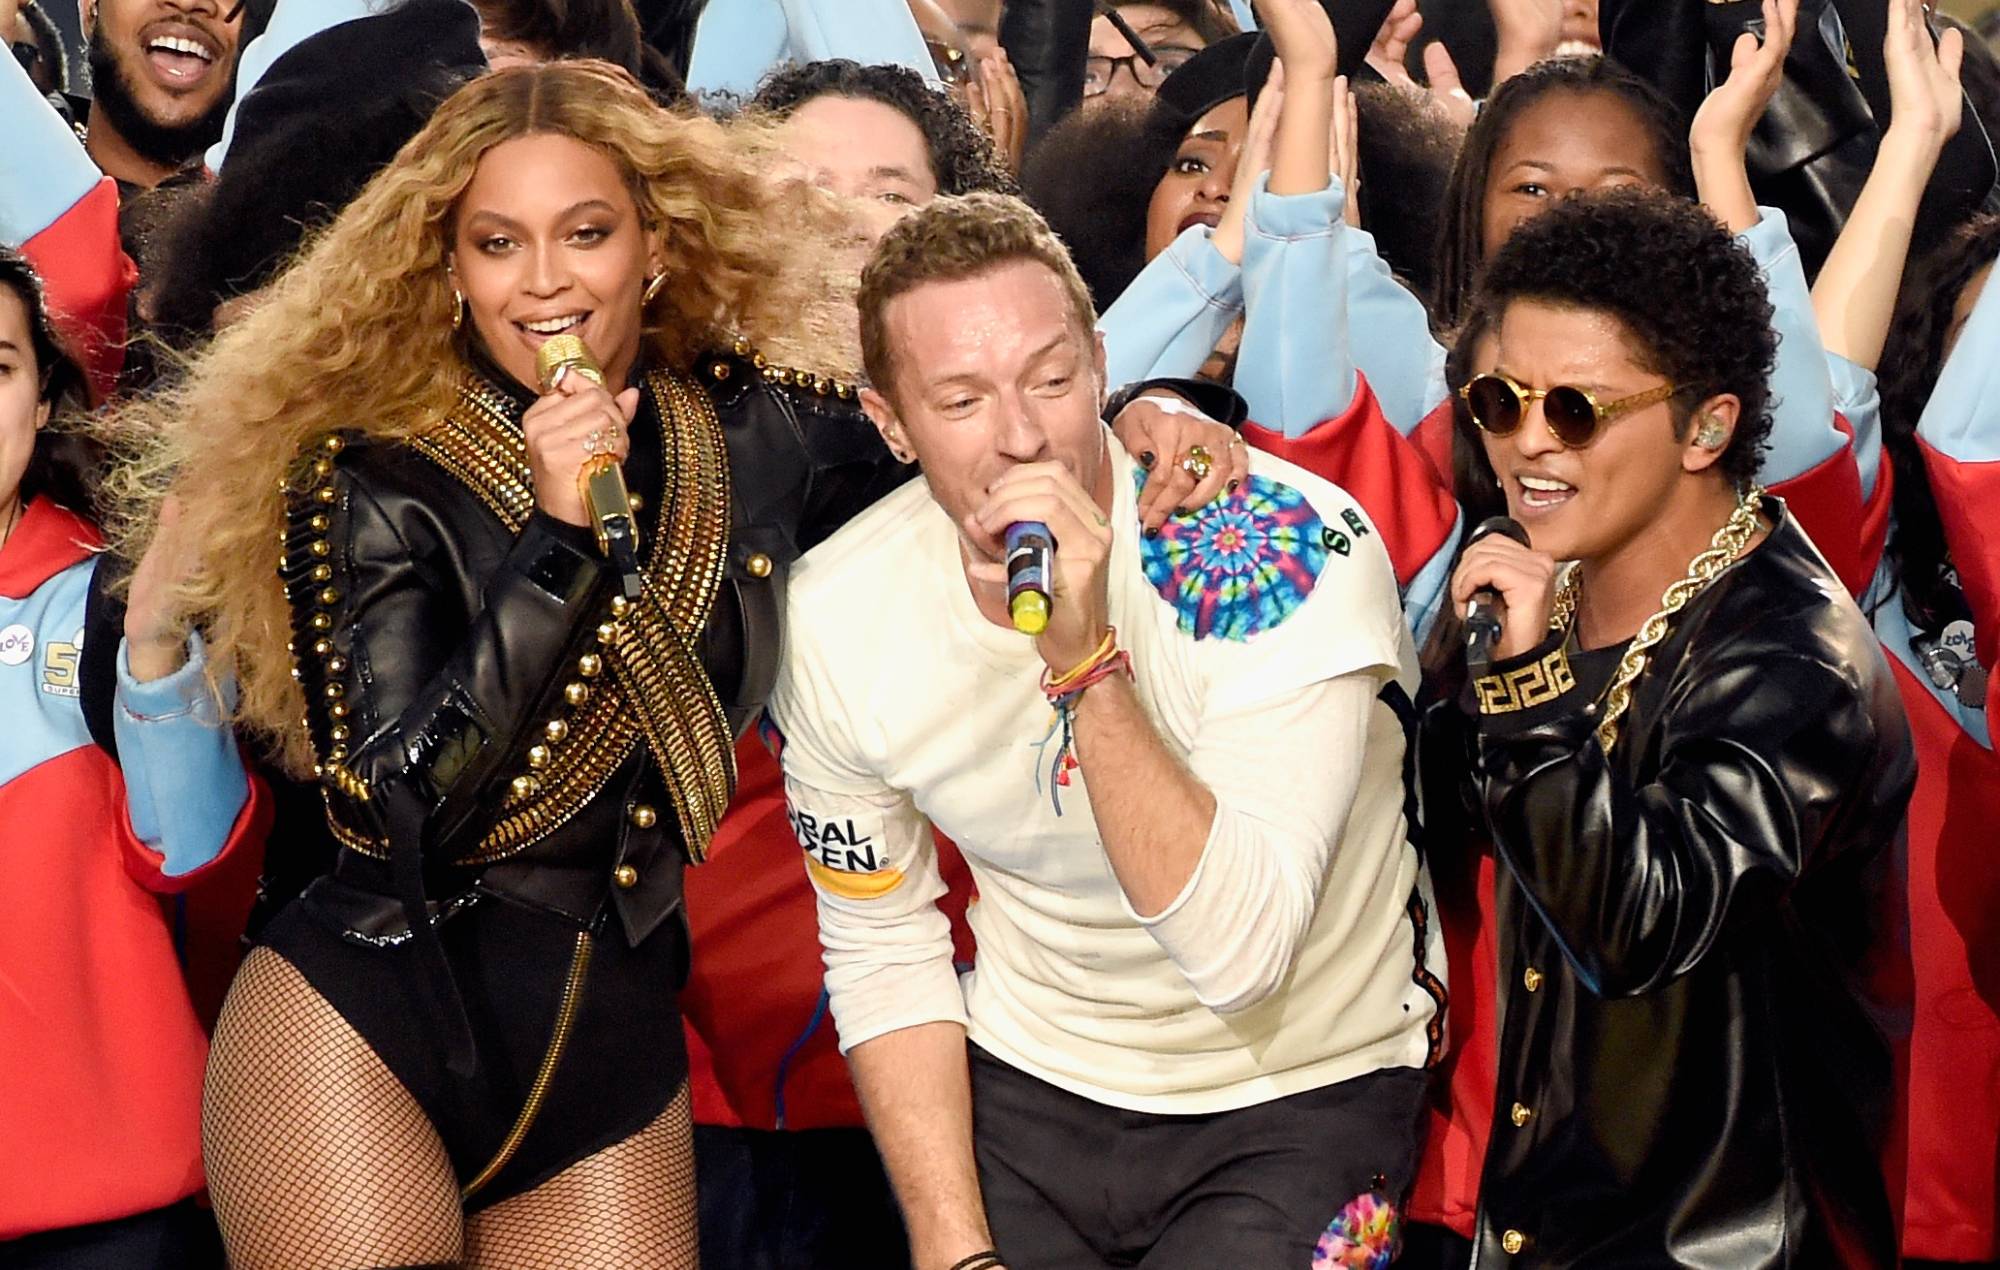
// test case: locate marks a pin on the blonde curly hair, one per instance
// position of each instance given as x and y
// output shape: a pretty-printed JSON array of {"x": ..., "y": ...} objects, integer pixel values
[{"x": 357, "y": 336}]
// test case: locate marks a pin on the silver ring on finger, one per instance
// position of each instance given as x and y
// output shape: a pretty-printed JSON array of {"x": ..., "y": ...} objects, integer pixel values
[{"x": 593, "y": 441}]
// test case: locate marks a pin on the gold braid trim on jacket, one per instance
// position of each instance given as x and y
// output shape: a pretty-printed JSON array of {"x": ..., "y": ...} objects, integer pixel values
[{"x": 658, "y": 688}]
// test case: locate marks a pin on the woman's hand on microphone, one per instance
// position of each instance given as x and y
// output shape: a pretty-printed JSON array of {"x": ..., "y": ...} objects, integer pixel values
[
  {"x": 565, "y": 429},
  {"x": 1524, "y": 579}
]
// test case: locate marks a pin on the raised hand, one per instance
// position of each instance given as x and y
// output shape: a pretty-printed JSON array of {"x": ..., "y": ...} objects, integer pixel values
[
  {"x": 1445, "y": 87},
  {"x": 1302, "y": 36},
  {"x": 993, "y": 97},
  {"x": 1390, "y": 52},
  {"x": 1925, "y": 104},
  {"x": 1730, "y": 113},
  {"x": 1344, "y": 149},
  {"x": 1723, "y": 125},
  {"x": 1527, "y": 31},
  {"x": 1251, "y": 165}
]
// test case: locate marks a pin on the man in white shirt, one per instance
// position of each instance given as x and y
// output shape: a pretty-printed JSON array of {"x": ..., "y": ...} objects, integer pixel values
[{"x": 1207, "y": 985}]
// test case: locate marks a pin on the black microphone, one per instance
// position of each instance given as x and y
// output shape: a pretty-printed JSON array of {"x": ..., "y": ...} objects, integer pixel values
[{"x": 1482, "y": 611}]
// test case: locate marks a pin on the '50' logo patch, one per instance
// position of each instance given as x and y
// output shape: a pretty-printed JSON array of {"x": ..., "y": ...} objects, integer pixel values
[{"x": 846, "y": 855}]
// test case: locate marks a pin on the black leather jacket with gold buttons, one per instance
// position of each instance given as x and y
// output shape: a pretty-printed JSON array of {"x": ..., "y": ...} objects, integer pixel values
[
  {"x": 1702, "y": 976},
  {"x": 470, "y": 673}
]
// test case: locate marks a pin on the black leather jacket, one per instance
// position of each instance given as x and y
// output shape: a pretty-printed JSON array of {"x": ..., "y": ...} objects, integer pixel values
[
  {"x": 1703, "y": 966},
  {"x": 444, "y": 653}
]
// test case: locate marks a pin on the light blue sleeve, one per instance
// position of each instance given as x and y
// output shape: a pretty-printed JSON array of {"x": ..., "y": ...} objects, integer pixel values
[
  {"x": 1962, "y": 418},
  {"x": 1859, "y": 400},
  {"x": 1246, "y": 17},
  {"x": 1803, "y": 434},
  {"x": 1295, "y": 367},
  {"x": 185, "y": 783},
  {"x": 738, "y": 42},
  {"x": 1171, "y": 317},
  {"x": 1425, "y": 597},
  {"x": 1391, "y": 330},
  {"x": 293, "y": 22},
  {"x": 43, "y": 167}
]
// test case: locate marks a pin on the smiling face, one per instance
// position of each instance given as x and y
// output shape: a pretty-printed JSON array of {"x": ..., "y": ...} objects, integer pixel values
[
  {"x": 1579, "y": 29},
  {"x": 1564, "y": 142},
  {"x": 1195, "y": 190},
  {"x": 865, "y": 151},
  {"x": 22, "y": 411},
  {"x": 990, "y": 372},
  {"x": 1588, "y": 503},
  {"x": 547, "y": 240},
  {"x": 172, "y": 61}
]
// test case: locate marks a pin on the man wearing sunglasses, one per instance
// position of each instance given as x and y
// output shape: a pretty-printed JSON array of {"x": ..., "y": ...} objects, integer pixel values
[{"x": 1693, "y": 766}]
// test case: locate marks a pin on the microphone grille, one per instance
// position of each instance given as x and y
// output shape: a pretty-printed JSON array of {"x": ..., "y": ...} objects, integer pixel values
[{"x": 565, "y": 350}]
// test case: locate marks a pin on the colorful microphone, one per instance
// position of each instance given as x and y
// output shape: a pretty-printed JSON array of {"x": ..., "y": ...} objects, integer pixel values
[{"x": 1031, "y": 559}]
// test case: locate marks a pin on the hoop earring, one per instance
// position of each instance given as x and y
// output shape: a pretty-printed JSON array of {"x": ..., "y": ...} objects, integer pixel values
[
  {"x": 653, "y": 286},
  {"x": 457, "y": 310}
]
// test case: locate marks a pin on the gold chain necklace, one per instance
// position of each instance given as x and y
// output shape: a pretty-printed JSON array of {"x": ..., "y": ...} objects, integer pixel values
[{"x": 1728, "y": 543}]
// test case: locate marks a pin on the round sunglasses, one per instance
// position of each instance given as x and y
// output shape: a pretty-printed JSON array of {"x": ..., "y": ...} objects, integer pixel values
[{"x": 1574, "y": 415}]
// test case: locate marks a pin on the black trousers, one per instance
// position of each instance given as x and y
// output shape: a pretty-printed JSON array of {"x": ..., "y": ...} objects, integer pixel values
[
  {"x": 813, "y": 1199},
  {"x": 180, "y": 1237},
  {"x": 1071, "y": 1184}
]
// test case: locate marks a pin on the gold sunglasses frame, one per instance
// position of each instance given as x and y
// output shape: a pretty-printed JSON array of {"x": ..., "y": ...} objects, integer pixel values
[{"x": 1603, "y": 413}]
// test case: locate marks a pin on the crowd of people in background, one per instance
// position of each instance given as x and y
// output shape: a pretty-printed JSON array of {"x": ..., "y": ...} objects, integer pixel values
[{"x": 1503, "y": 773}]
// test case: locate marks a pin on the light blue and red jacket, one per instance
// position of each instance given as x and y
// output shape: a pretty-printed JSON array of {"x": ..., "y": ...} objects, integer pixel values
[
  {"x": 1952, "y": 1196},
  {"x": 101, "y": 1051},
  {"x": 62, "y": 213}
]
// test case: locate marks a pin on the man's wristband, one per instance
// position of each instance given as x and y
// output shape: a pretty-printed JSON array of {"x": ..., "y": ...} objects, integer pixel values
[{"x": 985, "y": 1259}]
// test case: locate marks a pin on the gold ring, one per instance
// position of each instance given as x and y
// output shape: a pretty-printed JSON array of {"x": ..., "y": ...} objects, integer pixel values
[{"x": 1198, "y": 462}]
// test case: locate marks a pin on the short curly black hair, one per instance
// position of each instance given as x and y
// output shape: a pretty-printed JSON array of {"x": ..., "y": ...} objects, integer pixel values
[
  {"x": 962, "y": 157},
  {"x": 1687, "y": 291}
]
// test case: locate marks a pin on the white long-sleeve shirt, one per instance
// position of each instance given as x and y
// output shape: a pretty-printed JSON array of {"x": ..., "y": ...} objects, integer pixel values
[{"x": 1291, "y": 958}]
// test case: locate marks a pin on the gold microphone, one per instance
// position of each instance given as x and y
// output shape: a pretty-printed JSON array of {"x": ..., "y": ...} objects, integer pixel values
[{"x": 601, "y": 481}]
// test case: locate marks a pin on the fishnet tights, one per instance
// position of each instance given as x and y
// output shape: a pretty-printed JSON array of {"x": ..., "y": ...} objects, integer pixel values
[
  {"x": 319, "y": 1159},
  {"x": 631, "y": 1204}
]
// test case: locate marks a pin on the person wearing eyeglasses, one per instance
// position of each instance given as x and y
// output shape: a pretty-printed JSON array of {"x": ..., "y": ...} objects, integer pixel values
[
  {"x": 1690, "y": 756},
  {"x": 1134, "y": 47}
]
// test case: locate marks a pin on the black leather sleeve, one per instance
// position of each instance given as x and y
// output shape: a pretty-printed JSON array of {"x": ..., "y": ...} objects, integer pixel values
[
  {"x": 1218, "y": 401},
  {"x": 1639, "y": 882},
  {"x": 441, "y": 658}
]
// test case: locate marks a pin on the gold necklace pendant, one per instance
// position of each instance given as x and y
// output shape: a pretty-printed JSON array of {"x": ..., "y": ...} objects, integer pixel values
[{"x": 1723, "y": 549}]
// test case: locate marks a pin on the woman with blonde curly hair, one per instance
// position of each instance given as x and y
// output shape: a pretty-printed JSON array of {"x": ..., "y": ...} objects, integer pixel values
[{"x": 462, "y": 1045}]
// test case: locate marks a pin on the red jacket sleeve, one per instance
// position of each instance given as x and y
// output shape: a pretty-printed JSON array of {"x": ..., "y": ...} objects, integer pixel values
[
  {"x": 1387, "y": 473},
  {"x": 88, "y": 276}
]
